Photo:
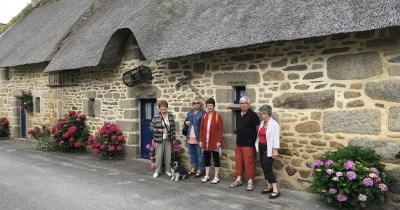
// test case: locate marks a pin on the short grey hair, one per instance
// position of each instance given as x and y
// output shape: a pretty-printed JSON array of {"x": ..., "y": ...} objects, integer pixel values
[
  {"x": 267, "y": 109},
  {"x": 245, "y": 98}
]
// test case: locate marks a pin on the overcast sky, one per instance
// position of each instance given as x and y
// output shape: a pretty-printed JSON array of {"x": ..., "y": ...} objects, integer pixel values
[{"x": 10, "y": 8}]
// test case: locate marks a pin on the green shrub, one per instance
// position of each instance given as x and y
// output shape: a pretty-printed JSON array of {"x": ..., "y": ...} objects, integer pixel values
[
  {"x": 41, "y": 137},
  {"x": 350, "y": 178}
]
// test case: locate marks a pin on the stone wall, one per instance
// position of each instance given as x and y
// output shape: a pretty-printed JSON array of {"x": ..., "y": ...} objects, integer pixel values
[{"x": 325, "y": 92}]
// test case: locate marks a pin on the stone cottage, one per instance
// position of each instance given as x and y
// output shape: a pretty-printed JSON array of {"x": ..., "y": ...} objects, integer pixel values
[{"x": 329, "y": 69}]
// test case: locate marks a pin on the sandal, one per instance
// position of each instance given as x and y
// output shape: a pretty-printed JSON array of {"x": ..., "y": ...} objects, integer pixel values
[
  {"x": 197, "y": 175},
  {"x": 205, "y": 179},
  {"x": 215, "y": 180},
  {"x": 274, "y": 195},
  {"x": 266, "y": 191},
  {"x": 250, "y": 186},
  {"x": 190, "y": 173},
  {"x": 235, "y": 184}
]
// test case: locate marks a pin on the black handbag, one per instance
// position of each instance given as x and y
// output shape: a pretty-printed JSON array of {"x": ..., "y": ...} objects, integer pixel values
[{"x": 184, "y": 129}]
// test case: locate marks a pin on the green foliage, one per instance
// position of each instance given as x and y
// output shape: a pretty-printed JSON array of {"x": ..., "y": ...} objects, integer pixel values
[
  {"x": 108, "y": 142},
  {"x": 350, "y": 178},
  {"x": 4, "y": 127},
  {"x": 71, "y": 132},
  {"x": 366, "y": 156},
  {"x": 25, "y": 11},
  {"x": 41, "y": 137},
  {"x": 26, "y": 100}
]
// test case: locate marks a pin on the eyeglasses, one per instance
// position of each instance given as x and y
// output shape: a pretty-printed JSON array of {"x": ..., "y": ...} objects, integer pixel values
[{"x": 196, "y": 103}]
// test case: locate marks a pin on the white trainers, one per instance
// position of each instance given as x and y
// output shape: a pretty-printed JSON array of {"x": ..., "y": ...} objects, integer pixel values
[
  {"x": 155, "y": 174},
  {"x": 168, "y": 173}
]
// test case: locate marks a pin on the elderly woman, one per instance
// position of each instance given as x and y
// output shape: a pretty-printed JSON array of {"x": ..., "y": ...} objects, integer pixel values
[
  {"x": 267, "y": 144},
  {"x": 211, "y": 139},
  {"x": 163, "y": 128},
  {"x": 193, "y": 121}
]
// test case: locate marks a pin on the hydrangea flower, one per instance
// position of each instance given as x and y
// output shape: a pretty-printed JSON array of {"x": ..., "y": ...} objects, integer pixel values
[
  {"x": 367, "y": 182},
  {"x": 362, "y": 197},
  {"x": 339, "y": 174},
  {"x": 330, "y": 171},
  {"x": 374, "y": 170},
  {"x": 351, "y": 175},
  {"x": 383, "y": 187},
  {"x": 372, "y": 175},
  {"x": 328, "y": 163},
  {"x": 332, "y": 191},
  {"x": 349, "y": 165},
  {"x": 341, "y": 197},
  {"x": 335, "y": 179}
]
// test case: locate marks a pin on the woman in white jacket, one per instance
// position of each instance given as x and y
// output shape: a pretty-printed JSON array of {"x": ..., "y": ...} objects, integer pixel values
[{"x": 267, "y": 144}]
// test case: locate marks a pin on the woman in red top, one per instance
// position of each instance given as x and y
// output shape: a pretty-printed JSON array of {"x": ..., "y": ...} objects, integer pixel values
[
  {"x": 267, "y": 144},
  {"x": 211, "y": 139}
]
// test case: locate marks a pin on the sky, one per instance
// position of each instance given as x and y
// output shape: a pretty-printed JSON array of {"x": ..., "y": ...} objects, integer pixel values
[{"x": 10, "y": 8}]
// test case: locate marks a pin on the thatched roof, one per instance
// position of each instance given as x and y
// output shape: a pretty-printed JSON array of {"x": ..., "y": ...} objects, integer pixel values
[
  {"x": 174, "y": 28},
  {"x": 37, "y": 36}
]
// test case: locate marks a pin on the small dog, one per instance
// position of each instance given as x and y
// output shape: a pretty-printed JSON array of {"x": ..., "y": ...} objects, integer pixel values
[{"x": 178, "y": 172}]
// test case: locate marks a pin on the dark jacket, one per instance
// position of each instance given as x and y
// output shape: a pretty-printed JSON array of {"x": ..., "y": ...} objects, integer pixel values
[
  {"x": 156, "y": 123},
  {"x": 195, "y": 120}
]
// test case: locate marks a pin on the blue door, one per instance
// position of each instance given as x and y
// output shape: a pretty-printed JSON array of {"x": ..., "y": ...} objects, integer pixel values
[
  {"x": 147, "y": 109},
  {"x": 23, "y": 123}
]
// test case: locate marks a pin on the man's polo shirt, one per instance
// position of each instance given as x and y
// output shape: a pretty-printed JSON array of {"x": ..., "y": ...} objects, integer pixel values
[{"x": 246, "y": 128}]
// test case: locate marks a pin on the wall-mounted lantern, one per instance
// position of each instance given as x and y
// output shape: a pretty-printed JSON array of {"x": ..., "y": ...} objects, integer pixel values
[{"x": 136, "y": 76}]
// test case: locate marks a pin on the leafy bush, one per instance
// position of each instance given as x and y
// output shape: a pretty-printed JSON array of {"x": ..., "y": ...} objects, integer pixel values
[
  {"x": 152, "y": 154},
  {"x": 71, "y": 132},
  {"x": 4, "y": 127},
  {"x": 42, "y": 138},
  {"x": 109, "y": 141},
  {"x": 176, "y": 153},
  {"x": 26, "y": 100},
  {"x": 350, "y": 178}
]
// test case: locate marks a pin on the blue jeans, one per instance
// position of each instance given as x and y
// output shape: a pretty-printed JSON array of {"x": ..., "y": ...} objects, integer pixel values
[{"x": 196, "y": 156}]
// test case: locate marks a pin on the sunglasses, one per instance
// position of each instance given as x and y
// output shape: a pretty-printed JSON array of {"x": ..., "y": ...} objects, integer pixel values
[{"x": 196, "y": 103}]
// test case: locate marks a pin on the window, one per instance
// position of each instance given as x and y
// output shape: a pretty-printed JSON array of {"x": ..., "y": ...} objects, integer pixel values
[
  {"x": 7, "y": 74},
  {"x": 63, "y": 78},
  {"x": 37, "y": 104},
  {"x": 91, "y": 107},
  {"x": 239, "y": 92}
]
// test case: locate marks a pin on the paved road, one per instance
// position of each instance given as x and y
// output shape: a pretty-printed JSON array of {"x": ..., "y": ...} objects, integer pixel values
[{"x": 37, "y": 180}]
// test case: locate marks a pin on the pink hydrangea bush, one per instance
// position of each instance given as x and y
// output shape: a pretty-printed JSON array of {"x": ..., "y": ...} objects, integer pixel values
[
  {"x": 108, "y": 141},
  {"x": 4, "y": 127},
  {"x": 71, "y": 133},
  {"x": 349, "y": 178},
  {"x": 152, "y": 154},
  {"x": 177, "y": 150}
]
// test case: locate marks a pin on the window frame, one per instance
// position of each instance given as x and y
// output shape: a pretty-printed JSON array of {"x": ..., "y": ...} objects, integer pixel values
[{"x": 63, "y": 78}]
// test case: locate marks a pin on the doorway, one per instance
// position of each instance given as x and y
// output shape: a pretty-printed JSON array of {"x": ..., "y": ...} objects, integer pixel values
[{"x": 147, "y": 111}]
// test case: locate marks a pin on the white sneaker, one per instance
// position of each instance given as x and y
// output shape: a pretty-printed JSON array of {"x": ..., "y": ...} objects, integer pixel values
[
  {"x": 168, "y": 173},
  {"x": 155, "y": 174}
]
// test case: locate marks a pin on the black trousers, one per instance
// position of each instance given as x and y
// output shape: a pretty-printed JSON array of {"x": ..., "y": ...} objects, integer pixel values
[
  {"x": 207, "y": 158},
  {"x": 266, "y": 164}
]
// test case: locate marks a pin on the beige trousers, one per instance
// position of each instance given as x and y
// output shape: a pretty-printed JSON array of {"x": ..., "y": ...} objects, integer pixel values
[{"x": 163, "y": 150}]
